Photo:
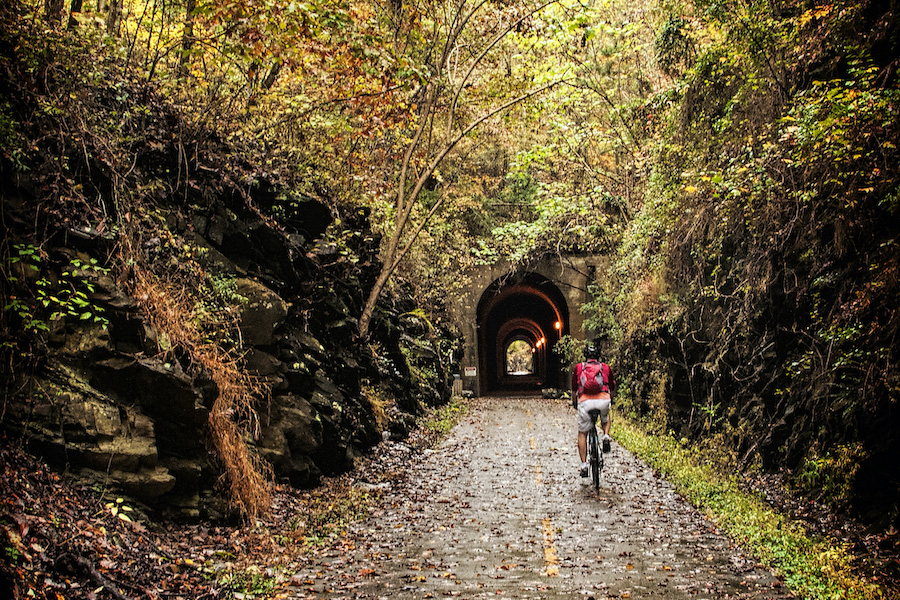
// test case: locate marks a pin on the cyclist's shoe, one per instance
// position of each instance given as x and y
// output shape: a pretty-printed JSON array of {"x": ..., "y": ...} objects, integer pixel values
[
  {"x": 606, "y": 447},
  {"x": 584, "y": 470}
]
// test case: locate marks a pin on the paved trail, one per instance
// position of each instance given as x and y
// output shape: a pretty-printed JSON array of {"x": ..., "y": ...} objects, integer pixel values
[{"x": 498, "y": 509}]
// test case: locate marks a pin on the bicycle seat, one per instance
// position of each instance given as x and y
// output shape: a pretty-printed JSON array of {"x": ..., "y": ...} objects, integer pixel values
[{"x": 594, "y": 414}]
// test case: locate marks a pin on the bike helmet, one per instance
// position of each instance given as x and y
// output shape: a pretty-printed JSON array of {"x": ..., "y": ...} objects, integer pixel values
[{"x": 592, "y": 350}]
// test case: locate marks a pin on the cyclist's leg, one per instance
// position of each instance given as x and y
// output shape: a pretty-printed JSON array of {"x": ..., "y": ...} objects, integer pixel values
[
  {"x": 605, "y": 421},
  {"x": 583, "y": 422},
  {"x": 603, "y": 407}
]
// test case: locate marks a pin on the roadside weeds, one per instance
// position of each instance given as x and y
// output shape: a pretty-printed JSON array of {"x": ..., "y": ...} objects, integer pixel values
[{"x": 814, "y": 567}]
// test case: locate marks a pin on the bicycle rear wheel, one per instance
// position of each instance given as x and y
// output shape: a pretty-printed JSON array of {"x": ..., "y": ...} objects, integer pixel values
[{"x": 594, "y": 448}]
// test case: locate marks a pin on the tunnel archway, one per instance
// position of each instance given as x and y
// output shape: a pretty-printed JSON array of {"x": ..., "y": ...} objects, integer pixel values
[{"x": 525, "y": 307}]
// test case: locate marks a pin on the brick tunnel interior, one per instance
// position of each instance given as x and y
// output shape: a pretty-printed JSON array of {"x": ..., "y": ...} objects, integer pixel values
[{"x": 521, "y": 317}]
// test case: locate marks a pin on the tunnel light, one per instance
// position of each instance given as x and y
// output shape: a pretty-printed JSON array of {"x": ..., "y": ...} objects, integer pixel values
[{"x": 557, "y": 325}]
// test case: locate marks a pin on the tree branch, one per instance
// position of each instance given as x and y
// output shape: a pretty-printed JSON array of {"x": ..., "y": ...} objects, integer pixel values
[
  {"x": 395, "y": 262},
  {"x": 485, "y": 50}
]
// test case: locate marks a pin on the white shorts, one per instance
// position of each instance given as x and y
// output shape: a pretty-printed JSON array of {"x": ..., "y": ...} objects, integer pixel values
[{"x": 584, "y": 419}]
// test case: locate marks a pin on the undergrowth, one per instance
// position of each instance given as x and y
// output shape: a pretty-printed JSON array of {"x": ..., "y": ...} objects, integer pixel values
[
  {"x": 439, "y": 421},
  {"x": 815, "y": 568},
  {"x": 328, "y": 513}
]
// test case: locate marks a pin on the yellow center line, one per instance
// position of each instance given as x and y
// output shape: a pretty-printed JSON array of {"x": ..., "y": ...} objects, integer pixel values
[
  {"x": 533, "y": 444},
  {"x": 538, "y": 476},
  {"x": 551, "y": 560}
]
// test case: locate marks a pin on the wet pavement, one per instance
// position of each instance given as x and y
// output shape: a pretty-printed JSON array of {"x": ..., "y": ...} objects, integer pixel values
[{"x": 498, "y": 509}]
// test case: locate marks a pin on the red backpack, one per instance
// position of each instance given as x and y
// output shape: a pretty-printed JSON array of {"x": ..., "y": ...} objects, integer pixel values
[{"x": 591, "y": 380}]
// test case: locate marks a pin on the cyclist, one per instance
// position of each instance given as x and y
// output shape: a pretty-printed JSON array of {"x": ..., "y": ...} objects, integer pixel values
[{"x": 592, "y": 399}]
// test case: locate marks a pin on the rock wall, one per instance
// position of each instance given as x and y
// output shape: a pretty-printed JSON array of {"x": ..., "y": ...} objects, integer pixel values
[{"x": 119, "y": 408}]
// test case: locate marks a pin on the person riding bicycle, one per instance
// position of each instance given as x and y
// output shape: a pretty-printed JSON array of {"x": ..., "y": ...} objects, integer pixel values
[{"x": 595, "y": 397}]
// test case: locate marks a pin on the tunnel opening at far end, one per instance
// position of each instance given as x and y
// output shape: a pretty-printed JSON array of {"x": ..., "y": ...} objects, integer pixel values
[
  {"x": 521, "y": 315},
  {"x": 519, "y": 359}
]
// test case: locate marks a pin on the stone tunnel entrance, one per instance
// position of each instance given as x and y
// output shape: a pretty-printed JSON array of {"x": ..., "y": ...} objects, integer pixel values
[
  {"x": 520, "y": 318},
  {"x": 508, "y": 314}
]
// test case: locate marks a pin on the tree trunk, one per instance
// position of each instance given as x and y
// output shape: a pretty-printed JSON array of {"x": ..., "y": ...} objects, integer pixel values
[
  {"x": 187, "y": 34},
  {"x": 269, "y": 81},
  {"x": 53, "y": 10},
  {"x": 74, "y": 9},
  {"x": 113, "y": 17}
]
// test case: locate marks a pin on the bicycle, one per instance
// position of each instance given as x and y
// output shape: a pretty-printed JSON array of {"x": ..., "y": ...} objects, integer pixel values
[{"x": 595, "y": 454}]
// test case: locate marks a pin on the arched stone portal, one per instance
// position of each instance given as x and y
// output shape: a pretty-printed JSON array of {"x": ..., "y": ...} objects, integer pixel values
[
  {"x": 501, "y": 303},
  {"x": 526, "y": 307}
]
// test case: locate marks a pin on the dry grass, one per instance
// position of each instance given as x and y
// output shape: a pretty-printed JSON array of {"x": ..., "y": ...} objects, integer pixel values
[
  {"x": 170, "y": 310},
  {"x": 380, "y": 405}
]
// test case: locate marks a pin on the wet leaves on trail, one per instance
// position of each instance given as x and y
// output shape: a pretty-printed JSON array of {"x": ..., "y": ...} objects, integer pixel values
[{"x": 501, "y": 502}]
